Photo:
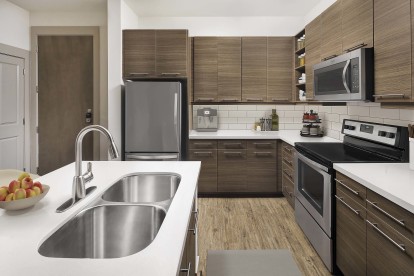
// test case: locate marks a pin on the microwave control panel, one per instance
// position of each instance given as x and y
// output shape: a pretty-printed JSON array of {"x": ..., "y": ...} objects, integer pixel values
[{"x": 354, "y": 75}]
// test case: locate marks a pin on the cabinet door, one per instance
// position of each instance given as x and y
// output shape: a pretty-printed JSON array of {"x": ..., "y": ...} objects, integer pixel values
[
  {"x": 351, "y": 245},
  {"x": 313, "y": 45},
  {"x": 205, "y": 69},
  {"x": 191, "y": 240},
  {"x": 254, "y": 69},
  {"x": 171, "y": 53},
  {"x": 261, "y": 171},
  {"x": 232, "y": 170},
  {"x": 138, "y": 53},
  {"x": 388, "y": 252},
  {"x": 229, "y": 69},
  {"x": 392, "y": 41},
  {"x": 207, "y": 181},
  {"x": 279, "y": 68},
  {"x": 331, "y": 36},
  {"x": 357, "y": 24}
]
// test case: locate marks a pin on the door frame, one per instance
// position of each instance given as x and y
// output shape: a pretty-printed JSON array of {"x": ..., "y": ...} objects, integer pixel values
[
  {"x": 25, "y": 55},
  {"x": 63, "y": 31}
]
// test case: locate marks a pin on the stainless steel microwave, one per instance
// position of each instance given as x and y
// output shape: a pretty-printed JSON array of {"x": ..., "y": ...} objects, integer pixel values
[{"x": 348, "y": 77}]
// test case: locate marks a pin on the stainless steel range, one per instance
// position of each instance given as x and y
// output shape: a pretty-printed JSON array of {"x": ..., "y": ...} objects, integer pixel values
[{"x": 364, "y": 142}]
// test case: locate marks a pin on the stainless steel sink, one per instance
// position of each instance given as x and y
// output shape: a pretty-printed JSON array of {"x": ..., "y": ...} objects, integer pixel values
[
  {"x": 143, "y": 188},
  {"x": 105, "y": 231}
]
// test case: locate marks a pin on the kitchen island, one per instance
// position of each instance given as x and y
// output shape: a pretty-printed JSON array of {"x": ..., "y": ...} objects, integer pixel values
[{"x": 22, "y": 232}]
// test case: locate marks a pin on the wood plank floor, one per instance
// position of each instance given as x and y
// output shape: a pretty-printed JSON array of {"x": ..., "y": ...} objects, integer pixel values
[{"x": 254, "y": 223}]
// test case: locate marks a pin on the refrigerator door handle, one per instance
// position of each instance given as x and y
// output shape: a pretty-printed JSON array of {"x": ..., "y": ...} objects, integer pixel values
[
  {"x": 176, "y": 120},
  {"x": 151, "y": 157}
]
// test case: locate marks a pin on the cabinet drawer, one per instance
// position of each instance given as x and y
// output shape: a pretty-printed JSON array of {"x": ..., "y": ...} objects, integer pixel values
[
  {"x": 232, "y": 144},
  {"x": 287, "y": 172},
  {"x": 203, "y": 144},
  {"x": 261, "y": 144},
  {"x": 388, "y": 252},
  {"x": 207, "y": 181},
  {"x": 262, "y": 156},
  {"x": 288, "y": 159},
  {"x": 232, "y": 170},
  {"x": 351, "y": 188},
  {"x": 287, "y": 149},
  {"x": 396, "y": 216},
  {"x": 288, "y": 191},
  {"x": 350, "y": 235}
]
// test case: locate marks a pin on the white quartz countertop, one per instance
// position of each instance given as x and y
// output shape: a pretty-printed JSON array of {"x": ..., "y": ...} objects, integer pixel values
[
  {"x": 289, "y": 136},
  {"x": 394, "y": 181},
  {"x": 22, "y": 232}
]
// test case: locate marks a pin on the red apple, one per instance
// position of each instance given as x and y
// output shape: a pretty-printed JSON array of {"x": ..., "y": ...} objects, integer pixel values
[
  {"x": 14, "y": 185},
  {"x": 9, "y": 197},
  {"x": 36, "y": 190},
  {"x": 30, "y": 193},
  {"x": 39, "y": 185},
  {"x": 19, "y": 194},
  {"x": 27, "y": 183},
  {"x": 4, "y": 191}
]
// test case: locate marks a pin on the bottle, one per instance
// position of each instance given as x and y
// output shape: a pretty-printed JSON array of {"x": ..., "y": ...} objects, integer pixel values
[{"x": 275, "y": 121}]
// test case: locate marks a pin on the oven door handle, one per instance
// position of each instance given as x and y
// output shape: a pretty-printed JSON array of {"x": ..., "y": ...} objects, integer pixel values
[
  {"x": 343, "y": 76},
  {"x": 312, "y": 163}
]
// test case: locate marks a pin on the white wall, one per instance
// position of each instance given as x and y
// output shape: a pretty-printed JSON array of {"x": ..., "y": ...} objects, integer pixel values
[
  {"x": 91, "y": 18},
  {"x": 227, "y": 26},
  {"x": 129, "y": 20},
  {"x": 317, "y": 10},
  {"x": 14, "y": 26}
]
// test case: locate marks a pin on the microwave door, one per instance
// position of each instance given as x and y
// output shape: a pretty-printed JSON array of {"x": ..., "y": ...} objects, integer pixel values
[
  {"x": 329, "y": 81},
  {"x": 345, "y": 77}
]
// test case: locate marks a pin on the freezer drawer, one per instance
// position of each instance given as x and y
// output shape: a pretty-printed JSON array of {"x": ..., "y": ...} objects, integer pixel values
[{"x": 152, "y": 157}]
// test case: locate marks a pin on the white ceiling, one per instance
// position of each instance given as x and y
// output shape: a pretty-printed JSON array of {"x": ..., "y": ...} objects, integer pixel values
[
  {"x": 181, "y": 8},
  {"x": 61, "y": 5}
]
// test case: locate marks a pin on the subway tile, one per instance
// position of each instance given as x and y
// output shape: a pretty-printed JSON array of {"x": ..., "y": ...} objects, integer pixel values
[
  {"x": 378, "y": 112},
  {"x": 396, "y": 122},
  {"x": 222, "y": 113},
  {"x": 238, "y": 126},
  {"x": 372, "y": 119},
  {"x": 223, "y": 126},
  {"x": 227, "y": 120},
  {"x": 266, "y": 107},
  {"x": 369, "y": 104},
  {"x": 246, "y": 120},
  {"x": 238, "y": 114},
  {"x": 340, "y": 109},
  {"x": 298, "y": 120},
  {"x": 407, "y": 114},
  {"x": 280, "y": 113},
  {"x": 358, "y": 110},
  {"x": 287, "y": 120},
  {"x": 293, "y": 126},
  {"x": 315, "y": 108},
  {"x": 294, "y": 114},
  {"x": 325, "y": 109},
  {"x": 285, "y": 107},
  {"x": 227, "y": 107},
  {"x": 333, "y": 134},
  {"x": 332, "y": 117},
  {"x": 336, "y": 126},
  {"x": 255, "y": 114},
  {"x": 300, "y": 107},
  {"x": 246, "y": 107},
  {"x": 281, "y": 126}
]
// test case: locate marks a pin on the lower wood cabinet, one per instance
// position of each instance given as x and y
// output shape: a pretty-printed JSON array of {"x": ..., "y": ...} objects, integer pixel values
[
  {"x": 287, "y": 170},
  {"x": 188, "y": 259},
  {"x": 232, "y": 170},
  {"x": 207, "y": 181}
]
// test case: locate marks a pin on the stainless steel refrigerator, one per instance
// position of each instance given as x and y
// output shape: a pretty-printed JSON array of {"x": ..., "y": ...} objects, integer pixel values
[{"x": 155, "y": 119}]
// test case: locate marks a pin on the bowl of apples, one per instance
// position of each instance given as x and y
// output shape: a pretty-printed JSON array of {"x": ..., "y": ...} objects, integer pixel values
[{"x": 22, "y": 193}]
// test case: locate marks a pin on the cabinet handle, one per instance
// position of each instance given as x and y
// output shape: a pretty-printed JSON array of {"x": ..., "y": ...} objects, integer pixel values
[
  {"x": 399, "y": 246},
  {"x": 138, "y": 74},
  {"x": 203, "y": 153},
  {"x": 254, "y": 99},
  {"x": 187, "y": 269},
  {"x": 205, "y": 99},
  {"x": 330, "y": 57},
  {"x": 355, "y": 47},
  {"x": 287, "y": 149},
  {"x": 233, "y": 153},
  {"x": 194, "y": 230},
  {"x": 375, "y": 205},
  {"x": 229, "y": 100},
  {"x": 263, "y": 153},
  {"x": 288, "y": 174},
  {"x": 347, "y": 205},
  {"x": 345, "y": 186},
  {"x": 280, "y": 99},
  {"x": 170, "y": 74},
  {"x": 203, "y": 144},
  {"x": 232, "y": 144},
  {"x": 309, "y": 98},
  {"x": 389, "y": 96},
  {"x": 262, "y": 144},
  {"x": 288, "y": 161}
]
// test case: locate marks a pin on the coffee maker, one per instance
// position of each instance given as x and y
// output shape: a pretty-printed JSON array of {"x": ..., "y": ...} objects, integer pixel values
[{"x": 207, "y": 119}]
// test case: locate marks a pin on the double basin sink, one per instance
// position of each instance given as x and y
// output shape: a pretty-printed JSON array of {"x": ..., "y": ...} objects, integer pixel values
[{"x": 122, "y": 222}]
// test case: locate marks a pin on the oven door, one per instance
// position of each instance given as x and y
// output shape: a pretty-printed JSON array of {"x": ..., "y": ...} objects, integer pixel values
[{"x": 313, "y": 190}]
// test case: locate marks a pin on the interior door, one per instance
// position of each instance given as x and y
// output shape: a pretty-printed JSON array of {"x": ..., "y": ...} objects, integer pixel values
[
  {"x": 65, "y": 84},
  {"x": 11, "y": 112}
]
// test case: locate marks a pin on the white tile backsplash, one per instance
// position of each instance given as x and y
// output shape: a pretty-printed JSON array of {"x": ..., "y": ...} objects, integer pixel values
[{"x": 290, "y": 116}]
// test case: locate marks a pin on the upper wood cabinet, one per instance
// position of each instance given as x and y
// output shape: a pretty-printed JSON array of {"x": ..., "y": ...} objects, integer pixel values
[
  {"x": 155, "y": 53},
  {"x": 331, "y": 31},
  {"x": 205, "y": 69},
  {"x": 393, "y": 53},
  {"x": 357, "y": 24},
  {"x": 279, "y": 68},
  {"x": 229, "y": 69},
  {"x": 313, "y": 52},
  {"x": 254, "y": 69}
]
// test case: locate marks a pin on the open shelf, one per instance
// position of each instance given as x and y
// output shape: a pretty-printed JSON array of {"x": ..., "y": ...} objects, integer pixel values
[
  {"x": 300, "y": 84},
  {"x": 300, "y": 51},
  {"x": 300, "y": 69}
]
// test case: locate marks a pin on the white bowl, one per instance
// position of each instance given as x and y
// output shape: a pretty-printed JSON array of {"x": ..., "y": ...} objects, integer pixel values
[{"x": 24, "y": 203}]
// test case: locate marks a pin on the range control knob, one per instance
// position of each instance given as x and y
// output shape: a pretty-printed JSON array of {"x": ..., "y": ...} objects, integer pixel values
[
  {"x": 346, "y": 126},
  {"x": 382, "y": 133},
  {"x": 351, "y": 127},
  {"x": 390, "y": 135}
]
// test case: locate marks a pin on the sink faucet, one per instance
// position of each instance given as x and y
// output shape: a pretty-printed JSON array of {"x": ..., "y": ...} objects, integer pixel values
[{"x": 79, "y": 180}]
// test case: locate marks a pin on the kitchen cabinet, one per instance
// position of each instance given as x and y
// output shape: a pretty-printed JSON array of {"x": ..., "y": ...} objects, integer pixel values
[
  {"x": 188, "y": 259},
  {"x": 288, "y": 170},
  {"x": 313, "y": 55},
  {"x": 229, "y": 69},
  {"x": 232, "y": 167},
  {"x": 206, "y": 152},
  {"x": 261, "y": 166},
  {"x": 254, "y": 69},
  {"x": 279, "y": 68},
  {"x": 357, "y": 24},
  {"x": 393, "y": 51},
  {"x": 205, "y": 69},
  {"x": 331, "y": 31},
  {"x": 155, "y": 53}
]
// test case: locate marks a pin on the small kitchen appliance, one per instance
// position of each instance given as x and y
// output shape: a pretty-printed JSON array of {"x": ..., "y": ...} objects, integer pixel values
[{"x": 207, "y": 119}]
